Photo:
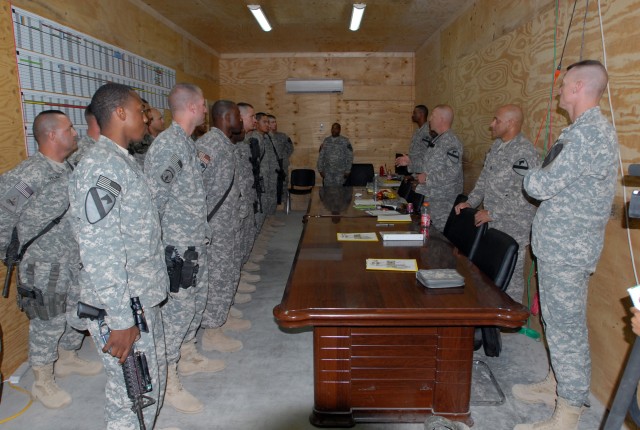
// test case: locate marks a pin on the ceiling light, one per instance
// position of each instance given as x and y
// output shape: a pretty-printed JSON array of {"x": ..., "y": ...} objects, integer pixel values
[
  {"x": 356, "y": 16},
  {"x": 256, "y": 10}
]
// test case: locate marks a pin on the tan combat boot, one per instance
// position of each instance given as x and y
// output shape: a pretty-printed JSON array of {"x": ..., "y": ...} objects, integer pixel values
[
  {"x": 215, "y": 339},
  {"x": 240, "y": 299},
  {"x": 249, "y": 266},
  {"x": 246, "y": 288},
  {"x": 235, "y": 312},
  {"x": 540, "y": 392},
  {"x": 249, "y": 277},
  {"x": 177, "y": 397},
  {"x": 192, "y": 362},
  {"x": 236, "y": 324},
  {"x": 565, "y": 417},
  {"x": 46, "y": 390},
  {"x": 69, "y": 362}
]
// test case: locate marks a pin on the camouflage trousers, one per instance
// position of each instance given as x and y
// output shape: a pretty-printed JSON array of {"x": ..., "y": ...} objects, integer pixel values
[
  {"x": 563, "y": 306},
  {"x": 333, "y": 179},
  {"x": 515, "y": 289},
  {"x": 45, "y": 336},
  {"x": 182, "y": 312},
  {"x": 245, "y": 237},
  {"x": 224, "y": 275},
  {"x": 118, "y": 413},
  {"x": 440, "y": 210}
]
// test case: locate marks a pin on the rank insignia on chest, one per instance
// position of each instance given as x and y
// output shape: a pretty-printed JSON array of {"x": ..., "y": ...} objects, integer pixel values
[
  {"x": 454, "y": 155},
  {"x": 19, "y": 194},
  {"x": 520, "y": 167},
  {"x": 101, "y": 199},
  {"x": 552, "y": 154}
]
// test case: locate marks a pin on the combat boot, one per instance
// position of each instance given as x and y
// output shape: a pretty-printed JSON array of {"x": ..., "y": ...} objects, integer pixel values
[
  {"x": 69, "y": 362},
  {"x": 565, "y": 417},
  {"x": 215, "y": 339},
  {"x": 251, "y": 267},
  {"x": 46, "y": 390},
  {"x": 240, "y": 299},
  {"x": 235, "y": 312},
  {"x": 256, "y": 257},
  {"x": 236, "y": 324},
  {"x": 246, "y": 288},
  {"x": 177, "y": 397},
  {"x": 249, "y": 277},
  {"x": 540, "y": 392},
  {"x": 192, "y": 362}
]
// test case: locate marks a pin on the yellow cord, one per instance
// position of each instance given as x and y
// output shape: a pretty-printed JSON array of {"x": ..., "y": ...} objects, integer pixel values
[{"x": 14, "y": 416}]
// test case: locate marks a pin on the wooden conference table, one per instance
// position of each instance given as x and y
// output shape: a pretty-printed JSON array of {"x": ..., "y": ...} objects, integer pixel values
[{"x": 386, "y": 349}]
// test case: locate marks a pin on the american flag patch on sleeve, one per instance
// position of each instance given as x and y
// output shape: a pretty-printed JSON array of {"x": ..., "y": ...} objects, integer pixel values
[
  {"x": 24, "y": 189},
  {"x": 109, "y": 185},
  {"x": 176, "y": 162}
]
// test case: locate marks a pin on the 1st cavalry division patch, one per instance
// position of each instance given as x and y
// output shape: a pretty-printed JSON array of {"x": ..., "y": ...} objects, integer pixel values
[{"x": 101, "y": 199}]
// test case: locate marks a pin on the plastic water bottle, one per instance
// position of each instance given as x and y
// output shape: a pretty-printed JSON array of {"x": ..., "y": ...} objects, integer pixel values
[
  {"x": 375, "y": 188},
  {"x": 425, "y": 219}
]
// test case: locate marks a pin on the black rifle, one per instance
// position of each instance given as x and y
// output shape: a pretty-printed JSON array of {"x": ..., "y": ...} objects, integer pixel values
[
  {"x": 135, "y": 369},
  {"x": 11, "y": 258},
  {"x": 258, "y": 182}
]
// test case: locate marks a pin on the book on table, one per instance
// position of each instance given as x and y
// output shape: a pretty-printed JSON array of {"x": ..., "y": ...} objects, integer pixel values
[
  {"x": 394, "y": 218},
  {"x": 402, "y": 235},
  {"x": 394, "y": 264}
]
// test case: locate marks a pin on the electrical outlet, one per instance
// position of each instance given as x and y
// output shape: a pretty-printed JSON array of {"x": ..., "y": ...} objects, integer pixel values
[{"x": 19, "y": 373}]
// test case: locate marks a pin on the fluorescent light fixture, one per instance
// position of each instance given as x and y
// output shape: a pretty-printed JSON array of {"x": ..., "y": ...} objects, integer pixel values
[
  {"x": 356, "y": 16},
  {"x": 256, "y": 10}
]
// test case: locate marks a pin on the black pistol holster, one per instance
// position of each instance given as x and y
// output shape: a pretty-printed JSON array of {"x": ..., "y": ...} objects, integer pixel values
[{"x": 182, "y": 271}]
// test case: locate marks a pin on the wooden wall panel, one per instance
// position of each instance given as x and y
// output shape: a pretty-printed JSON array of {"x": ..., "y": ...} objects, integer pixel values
[
  {"x": 374, "y": 110},
  {"x": 120, "y": 23},
  {"x": 492, "y": 55},
  {"x": 13, "y": 324}
]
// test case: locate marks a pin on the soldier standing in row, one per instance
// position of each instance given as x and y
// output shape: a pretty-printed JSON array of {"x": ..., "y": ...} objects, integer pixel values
[
  {"x": 34, "y": 209},
  {"x": 335, "y": 159},
  {"x": 284, "y": 147},
  {"x": 440, "y": 164},
  {"x": 499, "y": 187},
  {"x": 118, "y": 231},
  {"x": 175, "y": 179},
  {"x": 216, "y": 152},
  {"x": 576, "y": 185}
]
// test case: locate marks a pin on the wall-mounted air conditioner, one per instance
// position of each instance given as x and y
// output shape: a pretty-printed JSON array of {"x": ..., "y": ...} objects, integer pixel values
[{"x": 314, "y": 85}]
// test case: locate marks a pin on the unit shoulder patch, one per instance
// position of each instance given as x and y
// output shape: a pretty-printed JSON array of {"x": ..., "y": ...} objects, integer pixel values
[
  {"x": 454, "y": 155},
  {"x": 16, "y": 197},
  {"x": 520, "y": 167},
  {"x": 101, "y": 199}
]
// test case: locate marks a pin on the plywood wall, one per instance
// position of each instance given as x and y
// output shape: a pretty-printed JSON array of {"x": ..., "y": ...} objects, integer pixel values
[
  {"x": 492, "y": 55},
  {"x": 374, "y": 110},
  {"x": 122, "y": 23}
]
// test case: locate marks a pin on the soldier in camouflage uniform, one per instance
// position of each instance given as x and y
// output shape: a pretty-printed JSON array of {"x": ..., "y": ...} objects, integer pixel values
[
  {"x": 440, "y": 164},
  {"x": 175, "y": 178},
  {"x": 32, "y": 196},
  {"x": 284, "y": 147},
  {"x": 216, "y": 152},
  {"x": 118, "y": 229},
  {"x": 499, "y": 187},
  {"x": 576, "y": 185},
  {"x": 335, "y": 159},
  {"x": 246, "y": 227},
  {"x": 268, "y": 166},
  {"x": 419, "y": 141},
  {"x": 88, "y": 140}
]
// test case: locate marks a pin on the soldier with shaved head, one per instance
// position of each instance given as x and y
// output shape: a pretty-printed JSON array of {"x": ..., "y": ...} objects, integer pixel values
[
  {"x": 506, "y": 206},
  {"x": 576, "y": 185}
]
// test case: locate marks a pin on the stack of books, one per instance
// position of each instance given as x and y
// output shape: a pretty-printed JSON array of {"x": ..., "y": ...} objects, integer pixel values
[{"x": 440, "y": 278}]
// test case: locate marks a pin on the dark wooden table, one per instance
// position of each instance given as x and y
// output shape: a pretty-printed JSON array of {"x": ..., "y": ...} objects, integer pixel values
[{"x": 386, "y": 348}]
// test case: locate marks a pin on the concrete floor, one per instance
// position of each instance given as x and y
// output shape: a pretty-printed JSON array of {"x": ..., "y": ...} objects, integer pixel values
[{"x": 268, "y": 385}]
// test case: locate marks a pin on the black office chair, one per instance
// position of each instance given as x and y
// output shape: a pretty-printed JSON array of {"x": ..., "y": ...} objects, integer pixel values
[
  {"x": 496, "y": 257},
  {"x": 302, "y": 182},
  {"x": 416, "y": 199},
  {"x": 405, "y": 188},
  {"x": 361, "y": 175},
  {"x": 461, "y": 230}
]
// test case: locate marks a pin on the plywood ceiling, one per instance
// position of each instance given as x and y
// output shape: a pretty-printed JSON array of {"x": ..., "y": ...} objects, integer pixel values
[{"x": 228, "y": 27}]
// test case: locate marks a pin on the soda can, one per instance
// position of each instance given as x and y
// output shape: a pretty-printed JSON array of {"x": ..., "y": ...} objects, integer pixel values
[{"x": 409, "y": 208}]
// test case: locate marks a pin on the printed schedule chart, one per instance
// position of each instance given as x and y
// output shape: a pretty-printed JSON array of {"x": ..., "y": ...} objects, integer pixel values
[{"x": 60, "y": 68}]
